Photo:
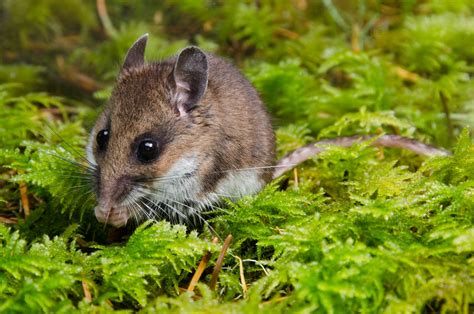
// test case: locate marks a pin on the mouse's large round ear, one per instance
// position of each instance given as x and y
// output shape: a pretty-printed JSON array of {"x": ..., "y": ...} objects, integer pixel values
[
  {"x": 190, "y": 78},
  {"x": 136, "y": 54}
]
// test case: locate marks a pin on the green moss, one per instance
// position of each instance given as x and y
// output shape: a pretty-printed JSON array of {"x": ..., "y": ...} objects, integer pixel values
[{"x": 357, "y": 229}]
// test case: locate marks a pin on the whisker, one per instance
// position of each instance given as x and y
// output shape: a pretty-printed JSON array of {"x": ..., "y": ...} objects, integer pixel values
[
  {"x": 107, "y": 218},
  {"x": 145, "y": 191},
  {"x": 76, "y": 176},
  {"x": 86, "y": 202},
  {"x": 259, "y": 167},
  {"x": 155, "y": 212},
  {"x": 77, "y": 187},
  {"x": 148, "y": 214},
  {"x": 226, "y": 195},
  {"x": 130, "y": 208},
  {"x": 135, "y": 209},
  {"x": 196, "y": 213},
  {"x": 187, "y": 175},
  {"x": 174, "y": 210},
  {"x": 72, "y": 149},
  {"x": 72, "y": 162},
  {"x": 163, "y": 178},
  {"x": 141, "y": 210},
  {"x": 156, "y": 203},
  {"x": 177, "y": 211}
]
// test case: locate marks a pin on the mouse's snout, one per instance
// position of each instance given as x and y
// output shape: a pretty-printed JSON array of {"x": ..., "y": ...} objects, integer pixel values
[
  {"x": 123, "y": 187},
  {"x": 115, "y": 216},
  {"x": 114, "y": 190},
  {"x": 114, "y": 195}
]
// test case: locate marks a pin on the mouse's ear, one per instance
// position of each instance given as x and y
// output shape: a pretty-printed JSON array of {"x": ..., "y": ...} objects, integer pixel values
[
  {"x": 136, "y": 54},
  {"x": 190, "y": 78}
]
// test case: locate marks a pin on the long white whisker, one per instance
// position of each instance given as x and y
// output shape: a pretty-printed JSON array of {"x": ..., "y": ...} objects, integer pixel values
[
  {"x": 177, "y": 211},
  {"x": 256, "y": 168},
  {"x": 154, "y": 202},
  {"x": 73, "y": 162},
  {"x": 148, "y": 214},
  {"x": 186, "y": 175},
  {"x": 196, "y": 213}
]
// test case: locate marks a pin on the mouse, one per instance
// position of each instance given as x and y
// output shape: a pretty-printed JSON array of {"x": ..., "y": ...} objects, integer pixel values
[
  {"x": 176, "y": 137},
  {"x": 180, "y": 135}
]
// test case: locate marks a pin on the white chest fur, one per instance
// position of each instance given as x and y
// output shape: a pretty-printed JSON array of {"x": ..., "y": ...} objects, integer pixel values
[{"x": 181, "y": 189}]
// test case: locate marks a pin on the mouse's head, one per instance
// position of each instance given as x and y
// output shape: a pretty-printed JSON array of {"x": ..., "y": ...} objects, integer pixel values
[{"x": 146, "y": 135}]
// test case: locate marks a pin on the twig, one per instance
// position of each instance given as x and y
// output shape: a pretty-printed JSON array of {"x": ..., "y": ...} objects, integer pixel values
[
  {"x": 73, "y": 76},
  {"x": 242, "y": 277},
  {"x": 105, "y": 19},
  {"x": 407, "y": 75},
  {"x": 87, "y": 292},
  {"x": 220, "y": 259},
  {"x": 295, "y": 174},
  {"x": 81, "y": 242},
  {"x": 258, "y": 264},
  {"x": 355, "y": 38},
  {"x": 444, "y": 102},
  {"x": 202, "y": 265},
  {"x": 301, "y": 4},
  {"x": 24, "y": 198},
  {"x": 8, "y": 220},
  {"x": 283, "y": 32}
]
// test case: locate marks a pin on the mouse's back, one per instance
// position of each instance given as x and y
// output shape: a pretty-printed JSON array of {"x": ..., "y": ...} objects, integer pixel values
[{"x": 177, "y": 136}]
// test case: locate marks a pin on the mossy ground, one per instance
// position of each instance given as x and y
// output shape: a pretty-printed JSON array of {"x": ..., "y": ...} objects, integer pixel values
[{"x": 357, "y": 229}]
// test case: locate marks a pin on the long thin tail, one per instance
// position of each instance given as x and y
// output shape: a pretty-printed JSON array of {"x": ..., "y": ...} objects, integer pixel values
[{"x": 304, "y": 153}]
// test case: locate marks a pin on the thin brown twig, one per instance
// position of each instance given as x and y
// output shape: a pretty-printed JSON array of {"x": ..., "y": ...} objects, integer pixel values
[
  {"x": 295, "y": 174},
  {"x": 75, "y": 77},
  {"x": 202, "y": 266},
  {"x": 87, "y": 292},
  {"x": 105, "y": 19},
  {"x": 301, "y": 4},
  {"x": 8, "y": 220},
  {"x": 406, "y": 75},
  {"x": 242, "y": 277},
  {"x": 286, "y": 33},
  {"x": 355, "y": 38},
  {"x": 24, "y": 198},
  {"x": 220, "y": 260}
]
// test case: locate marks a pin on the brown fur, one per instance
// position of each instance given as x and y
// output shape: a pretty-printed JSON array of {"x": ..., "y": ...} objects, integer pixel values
[{"x": 229, "y": 127}]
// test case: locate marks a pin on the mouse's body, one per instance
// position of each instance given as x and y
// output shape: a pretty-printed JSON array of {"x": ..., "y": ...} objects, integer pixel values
[{"x": 178, "y": 136}]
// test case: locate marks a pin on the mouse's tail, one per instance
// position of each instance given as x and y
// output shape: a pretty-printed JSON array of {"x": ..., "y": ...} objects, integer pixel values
[{"x": 302, "y": 154}]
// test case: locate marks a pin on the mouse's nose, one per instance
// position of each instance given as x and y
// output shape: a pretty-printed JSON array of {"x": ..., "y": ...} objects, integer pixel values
[
  {"x": 115, "y": 216},
  {"x": 117, "y": 189}
]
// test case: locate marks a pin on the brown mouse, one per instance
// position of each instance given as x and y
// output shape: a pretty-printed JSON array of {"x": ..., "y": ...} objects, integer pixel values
[
  {"x": 179, "y": 135},
  {"x": 176, "y": 137}
]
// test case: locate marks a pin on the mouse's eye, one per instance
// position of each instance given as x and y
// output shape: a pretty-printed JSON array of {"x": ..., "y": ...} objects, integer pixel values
[
  {"x": 147, "y": 150},
  {"x": 102, "y": 139}
]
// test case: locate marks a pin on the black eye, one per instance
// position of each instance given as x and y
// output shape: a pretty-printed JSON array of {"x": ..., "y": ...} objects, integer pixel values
[
  {"x": 147, "y": 150},
  {"x": 102, "y": 139}
]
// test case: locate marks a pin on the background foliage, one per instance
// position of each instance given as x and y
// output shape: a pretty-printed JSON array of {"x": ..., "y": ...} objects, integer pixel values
[{"x": 353, "y": 230}]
